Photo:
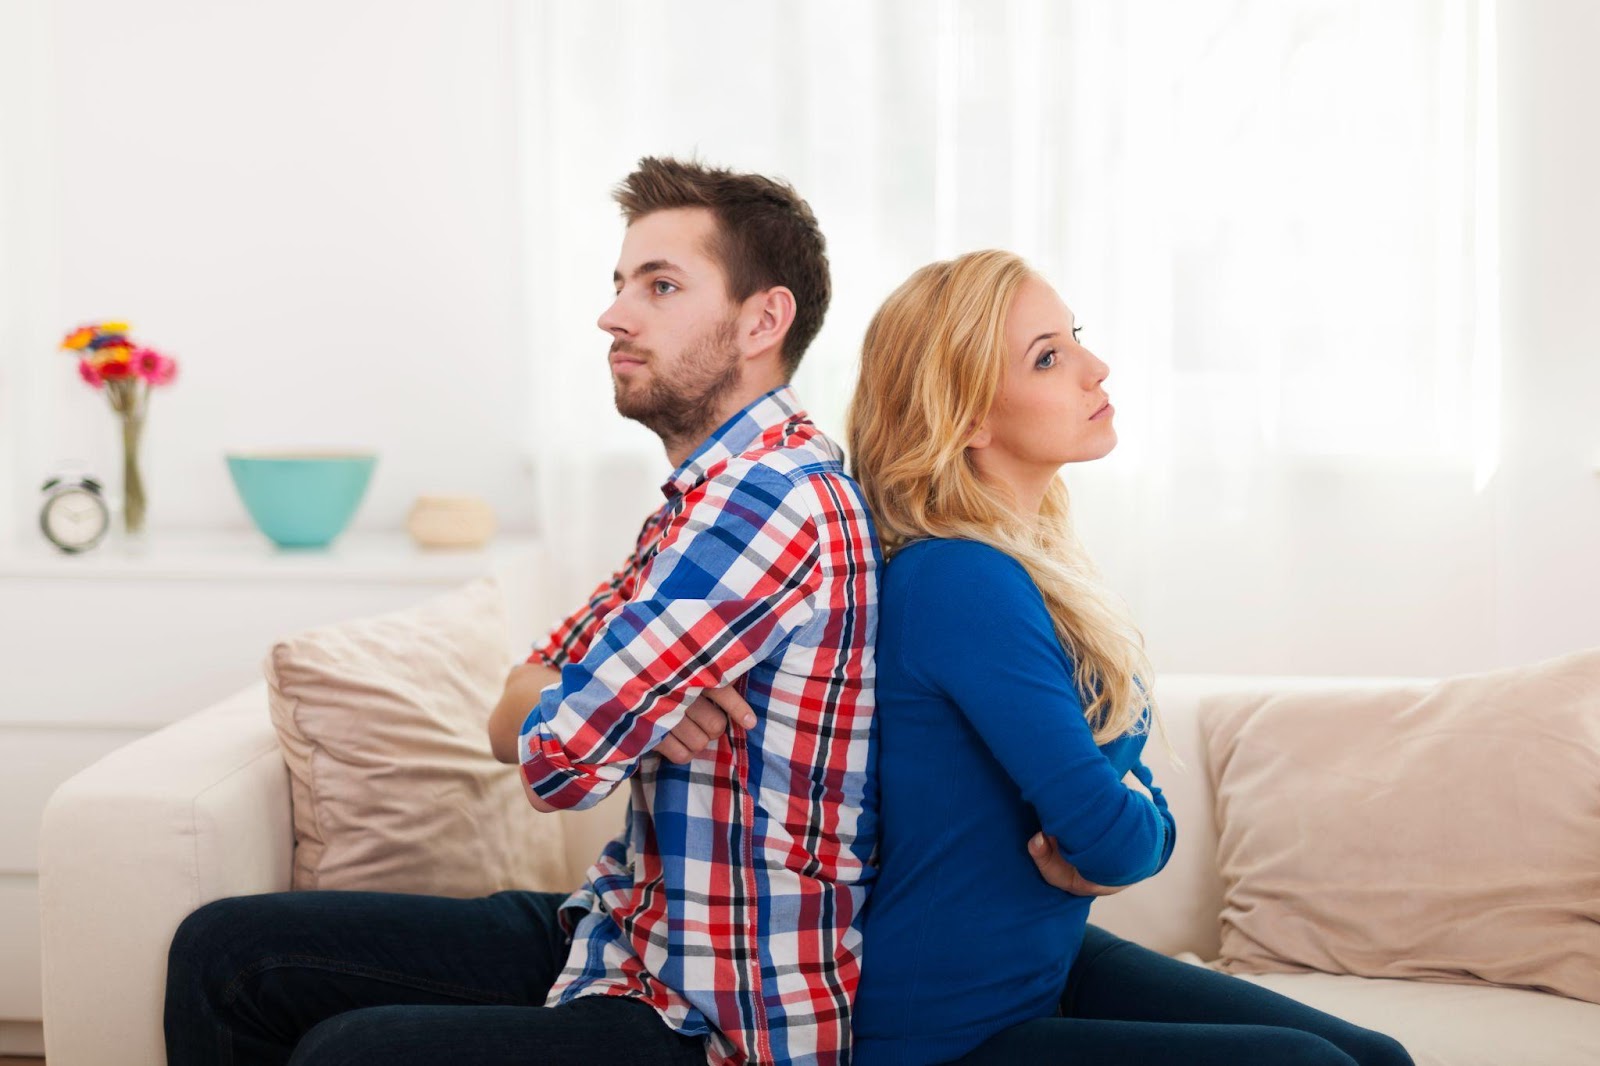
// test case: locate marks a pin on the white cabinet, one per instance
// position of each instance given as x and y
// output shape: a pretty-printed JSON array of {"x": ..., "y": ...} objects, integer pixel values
[{"x": 99, "y": 649}]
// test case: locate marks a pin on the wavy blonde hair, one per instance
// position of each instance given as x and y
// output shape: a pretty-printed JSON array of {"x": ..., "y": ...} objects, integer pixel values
[{"x": 931, "y": 367}]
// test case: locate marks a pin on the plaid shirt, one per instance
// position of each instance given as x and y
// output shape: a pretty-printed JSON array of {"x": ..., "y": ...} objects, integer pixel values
[{"x": 732, "y": 900}]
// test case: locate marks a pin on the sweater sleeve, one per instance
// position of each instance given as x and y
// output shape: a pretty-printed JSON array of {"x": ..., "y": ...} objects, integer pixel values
[
  {"x": 977, "y": 630},
  {"x": 1170, "y": 827}
]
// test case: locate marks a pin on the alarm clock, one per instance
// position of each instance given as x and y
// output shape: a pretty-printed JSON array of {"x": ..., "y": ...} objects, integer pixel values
[{"x": 74, "y": 516}]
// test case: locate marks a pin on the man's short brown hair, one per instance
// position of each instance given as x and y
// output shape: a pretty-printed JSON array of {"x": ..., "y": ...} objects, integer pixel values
[{"x": 766, "y": 235}]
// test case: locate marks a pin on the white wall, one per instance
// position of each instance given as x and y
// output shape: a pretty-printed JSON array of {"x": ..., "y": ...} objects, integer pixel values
[
  {"x": 314, "y": 207},
  {"x": 311, "y": 206}
]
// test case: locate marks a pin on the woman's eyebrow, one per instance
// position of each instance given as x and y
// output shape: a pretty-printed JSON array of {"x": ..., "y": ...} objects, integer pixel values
[{"x": 1040, "y": 337}]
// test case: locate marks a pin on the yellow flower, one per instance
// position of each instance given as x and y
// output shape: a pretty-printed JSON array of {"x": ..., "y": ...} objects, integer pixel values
[
  {"x": 113, "y": 327},
  {"x": 105, "y": 357}
]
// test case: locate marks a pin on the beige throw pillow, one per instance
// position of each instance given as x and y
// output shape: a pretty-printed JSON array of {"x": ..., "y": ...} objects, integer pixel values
[
  {"x": 382, "y": 722},
  {"x": 1449, "y": 833}
]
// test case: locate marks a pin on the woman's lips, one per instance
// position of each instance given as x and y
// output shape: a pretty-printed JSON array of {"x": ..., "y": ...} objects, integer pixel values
[{"x": 1105, "y": 412}]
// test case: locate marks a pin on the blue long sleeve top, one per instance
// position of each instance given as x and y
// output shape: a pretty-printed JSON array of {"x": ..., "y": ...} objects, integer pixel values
[{"x": 981, "y": 743}]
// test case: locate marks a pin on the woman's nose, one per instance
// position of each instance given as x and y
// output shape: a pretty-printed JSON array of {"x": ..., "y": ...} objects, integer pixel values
[{"x": 1097, "y": 369}]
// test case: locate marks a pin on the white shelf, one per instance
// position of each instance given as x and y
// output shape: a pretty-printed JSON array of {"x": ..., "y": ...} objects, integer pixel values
[{"x": 247, "y": 555}]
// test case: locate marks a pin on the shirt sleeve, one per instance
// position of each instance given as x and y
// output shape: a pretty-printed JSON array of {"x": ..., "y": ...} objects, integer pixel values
[
  {"x": 733, "y": 578},
  {"x": 981, "y": 635},
  {"x": 572, "y": 638}
]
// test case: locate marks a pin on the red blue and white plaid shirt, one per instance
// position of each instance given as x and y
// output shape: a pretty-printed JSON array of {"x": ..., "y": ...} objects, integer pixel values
[{"x": 732, "y": 900}]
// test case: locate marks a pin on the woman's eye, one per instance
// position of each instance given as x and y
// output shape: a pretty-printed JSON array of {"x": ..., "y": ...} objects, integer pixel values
[
  {"x": 664, "y": 287},
  {"x": 1046, "y": 360},
  {"x": 1075, "y": 331}
]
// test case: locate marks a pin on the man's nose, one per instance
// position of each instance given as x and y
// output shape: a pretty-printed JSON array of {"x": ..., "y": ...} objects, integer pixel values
[{"x": 613, "y": 320}]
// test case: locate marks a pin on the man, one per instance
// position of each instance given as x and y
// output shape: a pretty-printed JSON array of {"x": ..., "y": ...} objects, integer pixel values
[
  {"x": 723, "y": 925},
  {"x": 732, "y": 902}
]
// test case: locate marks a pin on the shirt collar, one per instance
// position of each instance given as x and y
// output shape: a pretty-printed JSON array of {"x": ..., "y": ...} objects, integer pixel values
[{"x": 734, "y": 437}]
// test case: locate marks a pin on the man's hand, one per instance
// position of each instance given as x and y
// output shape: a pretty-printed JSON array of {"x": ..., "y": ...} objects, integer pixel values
[
  {"x": 523, "y": 686},
  {"x": 1046, "y": 855},
  {"x": 704, "y": 721}
]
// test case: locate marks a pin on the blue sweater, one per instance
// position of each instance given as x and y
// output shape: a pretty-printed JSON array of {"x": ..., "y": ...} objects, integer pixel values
[{"x": 981, "y": 742}]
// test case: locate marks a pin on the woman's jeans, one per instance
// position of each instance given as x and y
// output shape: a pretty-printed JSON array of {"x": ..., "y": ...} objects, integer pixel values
[
  {"x": 372, "y": 977},
  {"x": 1127, "y": 1004}
]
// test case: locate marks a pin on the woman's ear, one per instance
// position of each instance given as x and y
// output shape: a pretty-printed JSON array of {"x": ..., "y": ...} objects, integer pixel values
[{"x": 980, "y": 436}]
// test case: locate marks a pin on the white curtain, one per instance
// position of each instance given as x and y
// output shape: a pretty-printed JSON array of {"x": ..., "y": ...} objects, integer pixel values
[{"x": 1273, "y": 217}]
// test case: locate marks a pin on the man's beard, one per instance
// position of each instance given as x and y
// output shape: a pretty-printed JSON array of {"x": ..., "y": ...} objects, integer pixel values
[{"x": 683, "y": 406}]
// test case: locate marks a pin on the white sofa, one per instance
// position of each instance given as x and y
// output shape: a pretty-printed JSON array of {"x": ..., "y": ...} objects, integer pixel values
[{"x": 200, "y": 810}]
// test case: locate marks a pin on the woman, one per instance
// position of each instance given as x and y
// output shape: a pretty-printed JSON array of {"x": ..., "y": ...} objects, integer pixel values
[{"x": 1010, "y": 708}]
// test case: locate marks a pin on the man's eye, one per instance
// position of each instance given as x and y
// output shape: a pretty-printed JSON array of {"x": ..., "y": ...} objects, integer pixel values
[
  {"x": 1046, "y": 360},
  {"x": 664, "y": 287}
]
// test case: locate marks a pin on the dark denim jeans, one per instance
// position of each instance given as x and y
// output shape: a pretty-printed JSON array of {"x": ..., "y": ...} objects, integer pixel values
[
  {"x": 1125, "y": 1003},
  {"x": 371, "y": 977}
]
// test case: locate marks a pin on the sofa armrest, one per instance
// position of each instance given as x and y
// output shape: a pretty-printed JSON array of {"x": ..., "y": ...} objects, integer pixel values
[{"x": 129, "y": 847}]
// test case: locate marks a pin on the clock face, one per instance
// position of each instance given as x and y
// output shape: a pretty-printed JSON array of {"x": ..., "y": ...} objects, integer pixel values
[{"x": 75, "y": 520}]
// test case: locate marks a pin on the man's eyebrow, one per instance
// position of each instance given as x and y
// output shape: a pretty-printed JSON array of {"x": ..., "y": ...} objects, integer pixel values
[{"x": 650, "y": 267}]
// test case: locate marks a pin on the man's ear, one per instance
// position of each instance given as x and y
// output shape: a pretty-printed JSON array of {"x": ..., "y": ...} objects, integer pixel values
[{"x": 769, "y": 313}]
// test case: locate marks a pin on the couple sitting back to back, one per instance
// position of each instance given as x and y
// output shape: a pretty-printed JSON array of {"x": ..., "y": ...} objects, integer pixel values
[{"x": 870, "y": 803}]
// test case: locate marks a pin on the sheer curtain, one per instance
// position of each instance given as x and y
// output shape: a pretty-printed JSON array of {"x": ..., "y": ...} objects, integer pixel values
[{"x": 1274, "y": 219}]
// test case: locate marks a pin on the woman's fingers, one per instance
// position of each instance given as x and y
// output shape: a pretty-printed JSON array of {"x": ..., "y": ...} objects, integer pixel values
[
  {"x": 1059, "y": 873},
  {"x": 1053, "y": 868}
]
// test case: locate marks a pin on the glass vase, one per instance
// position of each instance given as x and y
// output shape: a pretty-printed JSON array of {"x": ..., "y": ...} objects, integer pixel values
[{"x": 133, "y": 500}]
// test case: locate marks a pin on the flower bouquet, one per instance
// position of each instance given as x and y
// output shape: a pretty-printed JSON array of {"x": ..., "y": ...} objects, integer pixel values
[{"x": 108, "y": 359}]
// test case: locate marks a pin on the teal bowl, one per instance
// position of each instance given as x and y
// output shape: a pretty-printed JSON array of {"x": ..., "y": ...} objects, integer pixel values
[{"x": 301, "y": 499}]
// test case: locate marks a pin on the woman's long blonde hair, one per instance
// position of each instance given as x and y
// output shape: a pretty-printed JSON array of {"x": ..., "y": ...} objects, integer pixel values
[{"x": 931, "y": 367}]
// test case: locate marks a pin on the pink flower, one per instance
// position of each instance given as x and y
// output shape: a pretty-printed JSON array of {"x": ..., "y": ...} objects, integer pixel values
[
  {"x": 154, "y": 367},
  {"x": 88, "y": 373}
]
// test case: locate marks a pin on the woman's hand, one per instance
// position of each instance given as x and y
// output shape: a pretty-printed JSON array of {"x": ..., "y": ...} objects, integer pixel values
[{"x": 1046, "y": 855}]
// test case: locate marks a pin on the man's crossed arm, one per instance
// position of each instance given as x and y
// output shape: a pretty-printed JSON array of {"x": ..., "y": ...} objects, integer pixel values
[{"x": 704, "y": 720}]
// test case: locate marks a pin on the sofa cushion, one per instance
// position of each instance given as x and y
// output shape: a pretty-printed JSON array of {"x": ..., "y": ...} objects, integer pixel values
[
  {"x": 1449, "y": 833},
  {"x": 382, "y": 721},
  {"x": 1453, "y": 1024}
]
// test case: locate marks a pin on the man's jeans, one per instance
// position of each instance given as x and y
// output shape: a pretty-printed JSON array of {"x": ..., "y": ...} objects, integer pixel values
[{"x": 359, "y": 977}]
